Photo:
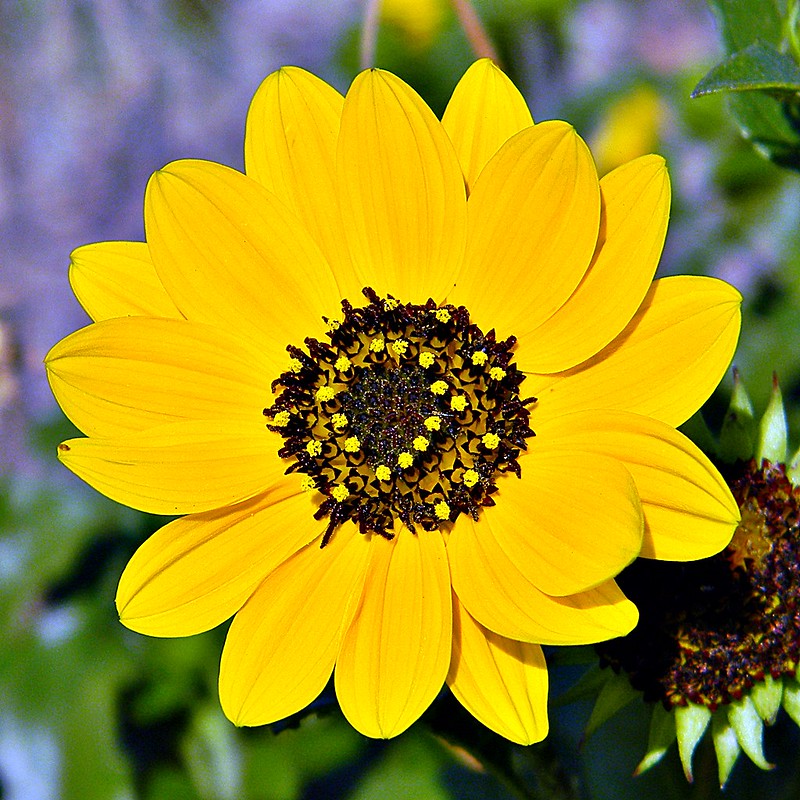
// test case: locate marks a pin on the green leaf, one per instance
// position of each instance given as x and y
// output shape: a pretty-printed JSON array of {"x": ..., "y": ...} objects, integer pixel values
[
  {"x": 743, "y": 21},
  {"x": 759, "y": 66}
]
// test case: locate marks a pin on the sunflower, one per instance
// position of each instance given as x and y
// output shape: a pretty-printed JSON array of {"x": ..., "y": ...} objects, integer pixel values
[{"x": 410, "y": 388}]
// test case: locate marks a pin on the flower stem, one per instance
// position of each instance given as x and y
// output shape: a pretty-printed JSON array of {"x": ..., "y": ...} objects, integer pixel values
[
  {"x": 369, "y": 33},
  {"x": 474, "y": 30}
]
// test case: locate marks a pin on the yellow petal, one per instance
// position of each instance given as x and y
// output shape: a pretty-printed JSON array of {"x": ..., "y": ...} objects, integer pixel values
[
  {"x": 501, "y": 682},
  {"x": 197, "y": 571},
  {"x": 535, "y": 521},
  {"x": 231, "y": 254},
  {"x": 117, "y": 279},
  {"x": 402, "y": 193},
  {"x": 689, "y": 511},
  {"x": 533, "y": 220},
  {"x": 290, "y": 148},
  {"x": 664, "y": 364},
  {"x": 181, "y": 468},
  {"x": 395, "y": 656},
  {"x": 494, "y": 590},
  {"x": 486, "y": 109},
  {"x": 281, "y": 646},
  {"x": 633, "y": 223},
  {"x": 124, "y": 375}
]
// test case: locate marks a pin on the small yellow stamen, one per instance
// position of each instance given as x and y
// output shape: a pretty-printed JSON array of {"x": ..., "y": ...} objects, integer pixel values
[
  {"x": 438, "y": 387},
  {"x": 479, "y": 358},
  {"x": 420, "y": 443},
  {"x": 324, "y": 394},
  {"x": 497, "y": 373},
  {"x": 352, "y": 444},
  {"x": 471, "y": 477},
  {"x": 340, "y": 493},
  {"x": 333, "y": 324},
  {"x": 490, "y": 440},
  {"x": 295, "y": 364},
  {"x": 314, "y": 448},
  {"x": 443, "y": 315},
  {"x": 458, "y": 403},
  {"x": 442, "y": 510},
  {"x": 281, "y": 419},
  {"x": 307, "y": 483},
  {"x": 426, "y": 359},
  {"x": 342, "y": 364},
  {"x": 433, "y": 423},
  {"x": 400, "y": 346},
  {"x": 390, "y": 304},
  {"x": 382, "y": 472},
  {"x": 339, "y": 421},
  {"x": 377, "y": 344},
  {"x": 405, "y": 459}
]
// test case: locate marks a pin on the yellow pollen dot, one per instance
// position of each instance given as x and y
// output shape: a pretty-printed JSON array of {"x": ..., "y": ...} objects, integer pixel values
[
  {"x": 426, "y": 359},
  {"x": 313, "y": 448},
  {"x": 340, "y": 493},
  {"x": 471, "y": 478},
  {"x": 443, "y": 315},
  {"x": 307, "y": 483},
  {"x": 295, "y": 364},
  {"x": 339, "y": 421},
  {"x": 281, "y": 419},
  {"x": 458, "y": 403},
  {"x": 433, "y": 423},
  {"x": 497, "y": 373},
  {"x": 405, "y": 460},
  {"x": 442, "y": 510},
  {"x": 438, "y": 387},
  {"x": 382, "y": 472},
  {"x": 400, "y": 346},
  {"x": 325, "y": 393},
  {"x": 342, "y": 364},
  {"x": 352, "y": 444},
  {"x": 377, "y": 344},
  {"x": 479, "y": 358},
  {"x": 490, "y": 440},
  {"x": 420, "y": 443},
  {"x": 390, "y": 304},
  {"x": 333, "y": 324}
]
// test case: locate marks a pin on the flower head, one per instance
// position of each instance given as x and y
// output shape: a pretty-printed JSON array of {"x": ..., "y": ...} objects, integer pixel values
[{"x": 210, "y": 386}]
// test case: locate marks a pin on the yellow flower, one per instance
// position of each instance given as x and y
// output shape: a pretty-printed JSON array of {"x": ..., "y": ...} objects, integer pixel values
[{"x": 506, "y": 220}]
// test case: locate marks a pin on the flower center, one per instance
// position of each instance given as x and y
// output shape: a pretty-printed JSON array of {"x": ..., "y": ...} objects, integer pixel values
[
  {"x": 408, "y": 412},
  {"x": 709, "y": 630}
]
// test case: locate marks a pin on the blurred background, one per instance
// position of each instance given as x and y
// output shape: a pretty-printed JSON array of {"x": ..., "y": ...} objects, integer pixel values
[{"x": 97, "y": 94}]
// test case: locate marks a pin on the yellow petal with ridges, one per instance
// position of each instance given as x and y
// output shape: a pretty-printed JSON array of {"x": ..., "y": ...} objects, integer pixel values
[
  {"x": 128, "y": 374},
  {"x": 181, "y": 468},
  {"x": 401, "y": 191},
  {"x": 633, "y": 224},
  {"x": 501, "y": 682},
  {"x": 196, "y": 572},
  {"x": 495, "y": 591},
  {"x": 485, "y": 110},
  {"x": 689, "y": 511},
  {"x": 118, "y": 279},
  {"x": 664, "y": 364},
  {"x": 534, "y": 522},
  {"x": 231, "y": 254},
  {"x": 533, "y": 221},
  {"x": 290, "y": 149},
  {"x": 395, "y": 656},
  {"x": 281, "y": 646}
]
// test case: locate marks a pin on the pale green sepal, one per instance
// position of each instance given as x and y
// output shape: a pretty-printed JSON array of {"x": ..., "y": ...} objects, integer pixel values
[
  {"x": 615, "y": 694},
  {"x": 772, "y": 432},
  {"x": 738, "y": 434},
  {"x": 691, "y": 722},
  {"x": 749, "y": 728},
  {"x": 698, "y": 431},
  {"x": 791, "y": 699},
  {"x": 766, "y": 696},
  {"x": 662, "y": 735},
  {"x": 589, "y": 685},
  {"x": 726, "y": 745}
]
